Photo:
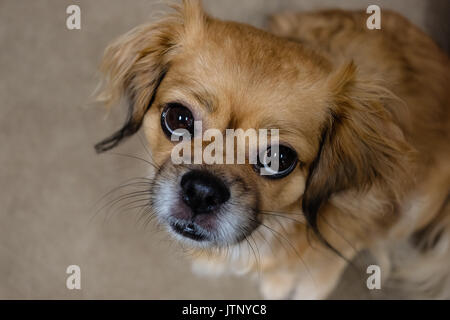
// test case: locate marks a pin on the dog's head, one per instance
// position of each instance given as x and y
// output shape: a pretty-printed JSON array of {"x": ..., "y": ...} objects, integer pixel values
[{"x": 191, "y": 67}]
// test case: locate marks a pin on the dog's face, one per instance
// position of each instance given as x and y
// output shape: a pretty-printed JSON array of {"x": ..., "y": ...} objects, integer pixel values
[
  {"x": 216, "y": 80},
  {"x": 190, "y": 67}
]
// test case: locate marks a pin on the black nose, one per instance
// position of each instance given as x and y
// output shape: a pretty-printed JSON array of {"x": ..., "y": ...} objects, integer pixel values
[{"x": 203, "y": 192}]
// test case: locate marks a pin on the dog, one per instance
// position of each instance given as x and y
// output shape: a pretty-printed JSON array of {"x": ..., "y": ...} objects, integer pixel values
[{"x": 363, "y": 128}]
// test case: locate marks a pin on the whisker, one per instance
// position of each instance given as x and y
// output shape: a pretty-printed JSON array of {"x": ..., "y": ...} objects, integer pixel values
[
  {"x": 346, "y": 241},
  {"x": 265, "y": 240},
  {"x": 122, "y": 197},
  {"x": 111, "y": 205},
  {"x": 126, "y": 207},
  {"x": 125, "y": 184},
  {"x": 147, "y": 213},
  {"x": 253, "y": 250},
  {"x": 148, "y": 151},
  {"x": 277, "y": 214},
  {"x": 136, "y": 158},
  {"x": 152, "y": 164},
  {"x": 292, "y": 247},
  {"x": 258, "y": 262}
]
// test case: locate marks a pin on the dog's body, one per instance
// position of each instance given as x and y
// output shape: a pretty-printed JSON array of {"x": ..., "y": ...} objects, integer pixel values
[
  {"x": 365, "y": 110},
  {"x": 409, "y": 64}
]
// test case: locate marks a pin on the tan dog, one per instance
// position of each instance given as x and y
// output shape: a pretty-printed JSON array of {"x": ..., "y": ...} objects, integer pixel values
[{"x": 364, "y": 131}]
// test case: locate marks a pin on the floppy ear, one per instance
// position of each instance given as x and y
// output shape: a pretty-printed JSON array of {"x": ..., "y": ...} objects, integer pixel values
[
  {"x": 135, "y": 64},
  {"x": 360, "y": 144}
]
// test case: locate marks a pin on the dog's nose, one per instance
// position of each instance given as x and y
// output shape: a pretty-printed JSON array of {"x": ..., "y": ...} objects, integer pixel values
[{"x": 203, "y": 192}]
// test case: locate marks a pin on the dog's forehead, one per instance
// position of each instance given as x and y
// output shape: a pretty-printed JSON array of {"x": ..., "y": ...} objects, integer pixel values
[
  {"x": 241, "y": 91},
  {"x": 247, "y": 66},
  {"x": 249, "y": 56}
]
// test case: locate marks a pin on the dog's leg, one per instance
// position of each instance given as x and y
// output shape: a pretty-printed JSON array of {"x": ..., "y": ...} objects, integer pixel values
[{"x": 314, "y": 277}]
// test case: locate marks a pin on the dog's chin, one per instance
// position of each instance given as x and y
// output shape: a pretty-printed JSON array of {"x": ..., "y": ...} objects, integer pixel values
[
  {"x": 205, "y": 230},
  {"x": 190, "y": 230},
  {"x": 194, "y": 234}
]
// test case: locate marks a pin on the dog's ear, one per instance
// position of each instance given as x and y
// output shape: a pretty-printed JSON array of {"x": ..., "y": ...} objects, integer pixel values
[
  {"x": 360, "y": 145},
  {"x": 134, "y": 65}
]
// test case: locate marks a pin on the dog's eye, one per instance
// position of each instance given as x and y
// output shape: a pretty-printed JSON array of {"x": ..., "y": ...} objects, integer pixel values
[
  {"x": 176, "y": 116},
  {"x": 287, "y": 161}
]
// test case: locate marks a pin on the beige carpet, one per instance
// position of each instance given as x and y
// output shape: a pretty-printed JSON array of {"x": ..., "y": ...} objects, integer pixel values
[{"x": 50, "y": 176}]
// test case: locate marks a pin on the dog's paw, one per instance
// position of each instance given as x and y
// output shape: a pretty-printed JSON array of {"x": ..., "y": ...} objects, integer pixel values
[
  {"x": 277, "y": 286},
  {"x": 295, "y": 285},
  {"x": 308, "y": 290},
  {"x": 207, "y": 267}
]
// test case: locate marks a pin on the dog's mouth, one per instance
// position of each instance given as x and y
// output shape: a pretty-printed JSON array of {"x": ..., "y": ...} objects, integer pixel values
[
  {"x": 202, "y": 208},
  {"x": 189, "y": 230}
]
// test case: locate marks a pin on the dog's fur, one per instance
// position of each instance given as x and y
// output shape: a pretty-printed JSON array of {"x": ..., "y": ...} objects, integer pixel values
[{"x": 365, "y": 110}]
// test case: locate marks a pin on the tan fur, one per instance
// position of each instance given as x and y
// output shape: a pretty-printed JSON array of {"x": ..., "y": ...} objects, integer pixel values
[{"x": 366, "y": 111}]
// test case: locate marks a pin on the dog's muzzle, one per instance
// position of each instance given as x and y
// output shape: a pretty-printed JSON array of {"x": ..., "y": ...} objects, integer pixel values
[{"x": 202, "y": 194}]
